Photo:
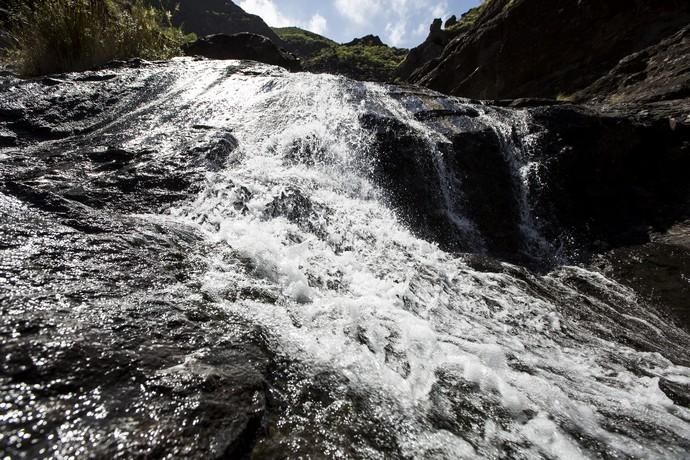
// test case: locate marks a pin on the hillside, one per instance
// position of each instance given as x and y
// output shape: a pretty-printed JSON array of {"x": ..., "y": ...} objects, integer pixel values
[
  {"x": 206, "y": 17},
  {"x": 539, "y": 48},
  {"x": 302, "y": 42},
  {"x": 366, "y": 58}
]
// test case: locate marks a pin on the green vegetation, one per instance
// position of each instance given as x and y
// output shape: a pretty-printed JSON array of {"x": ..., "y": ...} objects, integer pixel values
[
  {"x": 362, "y": 60},
  {"x": 303, "y": 42},
  {"x": 49, "y": 36},
  {"x": 358, "y": 61},
  {"x": 470, "y": 18}
]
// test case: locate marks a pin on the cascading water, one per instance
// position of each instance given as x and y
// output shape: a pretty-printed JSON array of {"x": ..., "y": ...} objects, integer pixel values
[{"x": 448, "y": 357}]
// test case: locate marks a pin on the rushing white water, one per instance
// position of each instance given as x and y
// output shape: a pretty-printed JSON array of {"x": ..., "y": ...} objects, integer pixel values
[{"x": 461, "y": 362}]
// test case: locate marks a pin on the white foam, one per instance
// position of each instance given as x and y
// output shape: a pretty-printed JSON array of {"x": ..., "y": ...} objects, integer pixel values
[{"x": 384, "y": 308}]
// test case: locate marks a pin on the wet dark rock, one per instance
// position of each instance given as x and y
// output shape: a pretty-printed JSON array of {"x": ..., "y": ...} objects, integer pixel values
[
  {"x": 620, "y": 425},
  {"x": 307, "y": 150},
  {"x": 97, "y": 77},
  {"x": 486, "y": 177},
  {"x": 69, "y": 213},
  {"x": 602, "y": 178},
  {"x": 657, "y": 271},
  {"x": 242, "y": 46},
  {"x": 298, "y": 209},
  {"x": 460, "y": 407},
  {"x": 346, "y": 423},
  {"x": 113, "y": 158},
  {"x": 525, "y": 102},
  {"x": 484, "y": 264},
  {"x": 429, "y": 190},
  {"x": 217, "y": 150},
  {"x": 405, "y": 168},
  {"x": 590, "y": 306},
  {"x": 7, "y": 138},
  {"x": 613, "y": 184},
  {"x": 185, "y": 389},
  {"x": 440, "y": 113},
  {"x": 677, "y": 392}
]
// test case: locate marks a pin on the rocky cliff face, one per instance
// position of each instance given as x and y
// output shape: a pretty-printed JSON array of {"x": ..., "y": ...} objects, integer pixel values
[
  {"x": 540, "y": 48},
  {"x": 657, "y": 73}
]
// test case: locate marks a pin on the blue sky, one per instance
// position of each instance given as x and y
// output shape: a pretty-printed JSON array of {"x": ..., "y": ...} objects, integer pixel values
[{"x": 403, "y": 23}]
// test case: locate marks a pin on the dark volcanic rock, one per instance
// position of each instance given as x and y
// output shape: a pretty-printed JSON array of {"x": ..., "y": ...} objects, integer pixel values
[
  {"x": 658, "y": 271},
  {"x": 297, "y": 208},
  {"x": 607, "y": 179},
  {"x": 242, "y": 46},
  {"x": 598, "y": 179},
  {"x": 4, "y": 19},
  {"x": 660, "y": 72},
  {"x": 542, "y": 48},
  {"x": 431, "y": 189},
  {"x": 93, "y": 343}
]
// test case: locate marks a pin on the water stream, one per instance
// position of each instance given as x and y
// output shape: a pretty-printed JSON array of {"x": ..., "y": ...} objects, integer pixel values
[{"x": 448, "y": 358}]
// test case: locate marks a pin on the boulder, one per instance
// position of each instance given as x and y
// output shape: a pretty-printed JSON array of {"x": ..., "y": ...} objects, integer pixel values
[{"x": 243, "y": 46}]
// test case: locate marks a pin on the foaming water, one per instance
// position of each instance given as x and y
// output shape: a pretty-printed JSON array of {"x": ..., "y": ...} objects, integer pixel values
[{"x": 464, "y": 362}]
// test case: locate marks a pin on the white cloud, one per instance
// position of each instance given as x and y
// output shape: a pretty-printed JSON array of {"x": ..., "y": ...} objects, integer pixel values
[
  {"x": 360, "y": 12},
  {"x": 364, "y": 15},
  {"x": 439, "y": 10},
  {"x": 268, "y": 11},
  {"x": 317, "y": 24},
  {"x": 396, "y": 33},
  {"x": 421, "y": 29}
]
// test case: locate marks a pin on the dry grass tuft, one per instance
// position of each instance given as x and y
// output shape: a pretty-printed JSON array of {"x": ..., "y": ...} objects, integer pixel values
[{"x": 52, "y": 36}]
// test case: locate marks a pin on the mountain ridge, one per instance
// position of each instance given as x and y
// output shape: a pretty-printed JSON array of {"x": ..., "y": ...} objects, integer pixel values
[{"x": 364, "y": 58}]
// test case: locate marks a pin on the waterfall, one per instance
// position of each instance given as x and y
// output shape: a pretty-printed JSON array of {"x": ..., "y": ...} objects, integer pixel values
[{"x": 448, "y": 347}]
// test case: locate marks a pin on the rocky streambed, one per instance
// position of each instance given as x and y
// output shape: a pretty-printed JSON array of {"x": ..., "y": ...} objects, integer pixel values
[{"x": 210, "y": 259}]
